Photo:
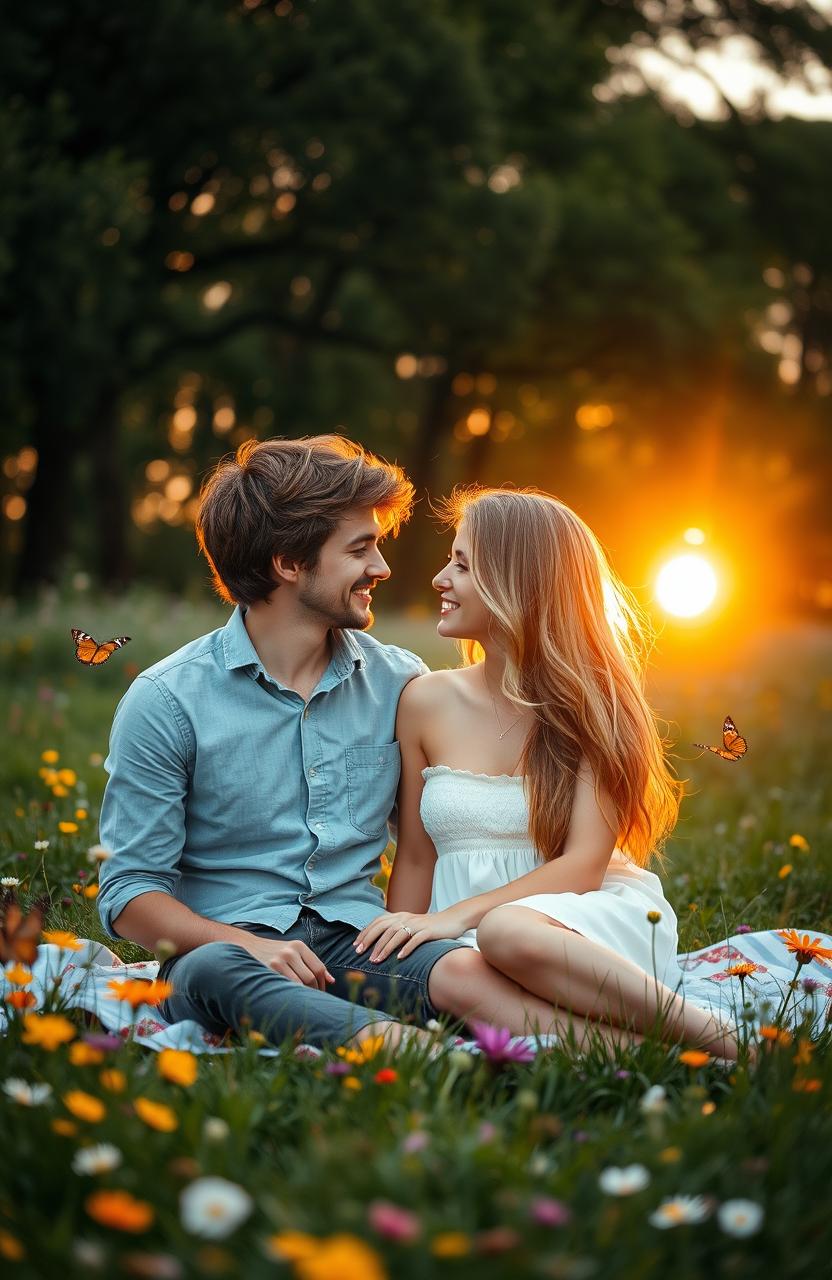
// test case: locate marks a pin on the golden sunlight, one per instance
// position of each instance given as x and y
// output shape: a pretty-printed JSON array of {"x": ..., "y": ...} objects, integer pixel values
[{"x": 686, "y": 586}]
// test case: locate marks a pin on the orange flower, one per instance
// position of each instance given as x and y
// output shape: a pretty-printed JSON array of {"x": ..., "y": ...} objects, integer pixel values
[
  {"x": 84, "y": 1106},
  {"x": 450, "y": 1244},
  {"x": 744, "y": 970},
  {"x": 805, "y": 948},
  {"x": 19, "y": 974},
  {"x": 799, "y": 842},
  {"x": 47, "y": 1030},
  {"x": 80, "y": 814},
  {"x": 178, "y": 1066},
  {"x": 352, "y": 1082},
  {"x": 364, "y": 1052},
  {"x": 84, "y": 1055},
  {"x": 386, "y": 1076},
  {"x": 785, "y": 870},
  {"x": 21, "y": 999},
  {"x": 138, "y": 991},
  {"x": 694, "y": 1058},
  {"x": 66, "y": 1128},
  {"x": 811, "y": 1085},
  {"x": 62, "y": 938},
  {"x": 155, "y": 1115},
  {"x": 344, "y": 1256},
  {"x": 68, "y": 828},
  {"x": 10, "y": 1246},
  {"x": 113, "y": 1080},
  {"x": 775, "y": 1034},
  {"x": 49, "y": 757},
  {"x": 119, "y": 1210},
  {"x": 803, "y": 1057},
  {"x": 67, "y": 777},
  {"x": 289, "y": 1246},
  {"x": 91, "y": 891}
]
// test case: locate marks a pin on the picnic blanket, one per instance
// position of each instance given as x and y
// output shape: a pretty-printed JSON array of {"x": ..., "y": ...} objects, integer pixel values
[{"x": 81, "y": 979}]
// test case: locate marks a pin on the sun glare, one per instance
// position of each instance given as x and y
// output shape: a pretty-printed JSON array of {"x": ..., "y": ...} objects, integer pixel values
[{"x": 686, "y": 586}]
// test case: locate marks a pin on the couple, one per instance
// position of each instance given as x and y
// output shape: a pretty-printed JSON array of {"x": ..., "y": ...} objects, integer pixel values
[{"x": 253, "y": 772}]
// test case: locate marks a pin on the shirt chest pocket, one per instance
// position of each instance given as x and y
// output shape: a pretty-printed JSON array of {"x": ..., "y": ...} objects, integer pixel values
[{"x": 372, "y": 783}]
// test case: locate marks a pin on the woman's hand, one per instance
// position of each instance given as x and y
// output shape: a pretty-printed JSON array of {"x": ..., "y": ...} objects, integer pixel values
[{"x": 395, "y": 928}]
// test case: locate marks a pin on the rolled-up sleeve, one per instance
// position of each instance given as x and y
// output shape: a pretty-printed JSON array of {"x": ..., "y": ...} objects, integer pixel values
[{"x": 143, "y": 812}]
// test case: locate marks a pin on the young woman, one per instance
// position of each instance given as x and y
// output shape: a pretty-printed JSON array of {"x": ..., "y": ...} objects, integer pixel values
[{"x": 535, "y": 788}]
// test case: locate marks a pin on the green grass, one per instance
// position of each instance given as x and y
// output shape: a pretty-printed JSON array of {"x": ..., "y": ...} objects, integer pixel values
[{"x": 313, "y": 1152}]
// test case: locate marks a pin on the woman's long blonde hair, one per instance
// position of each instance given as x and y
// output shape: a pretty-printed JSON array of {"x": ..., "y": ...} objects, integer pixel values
[{"x": 576, "y": 643}]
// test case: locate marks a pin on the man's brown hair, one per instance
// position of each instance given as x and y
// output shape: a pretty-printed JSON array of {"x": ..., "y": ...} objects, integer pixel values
[{"x": 285, "y": 497}]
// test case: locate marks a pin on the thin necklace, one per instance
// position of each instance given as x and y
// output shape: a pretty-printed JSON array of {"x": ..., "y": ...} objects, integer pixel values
[{"x": 496, "y": 713}]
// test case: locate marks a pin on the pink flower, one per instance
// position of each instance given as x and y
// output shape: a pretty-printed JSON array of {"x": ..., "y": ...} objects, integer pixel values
[
  {"x": 102, "y": 1040},
  {"x": 415, "y": 1141},
  {"x": 548, "y": 1212},
  {"x": 495, "y": 1043},
  {"x": 393, "y": 1222}
]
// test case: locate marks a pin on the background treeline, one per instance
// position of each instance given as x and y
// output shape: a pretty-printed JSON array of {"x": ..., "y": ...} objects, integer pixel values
[{"x": 462, "y": 232}]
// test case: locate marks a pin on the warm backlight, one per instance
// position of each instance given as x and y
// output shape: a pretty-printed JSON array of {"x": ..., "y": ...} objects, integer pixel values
[{"x": 686, "y": 586}]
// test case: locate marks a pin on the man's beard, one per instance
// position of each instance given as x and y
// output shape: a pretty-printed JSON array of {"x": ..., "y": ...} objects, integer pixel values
[{"x": 351, "y": 617}]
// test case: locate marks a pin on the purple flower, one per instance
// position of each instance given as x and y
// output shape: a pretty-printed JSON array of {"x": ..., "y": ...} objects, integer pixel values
[
  {"x": 337, "y": 1068},
  {"x": 743, "y": 928},
  {"x": 102, "y": 1040},
  {"x": 415, "y": 1141},
  {"x": 810, "y": 985},
  {"x": 487, "y": 1132},
  {"x": 495, "y": 1043},
  {"x": 622, "y": 1074},
  {"x": 548, "y": 1212}
]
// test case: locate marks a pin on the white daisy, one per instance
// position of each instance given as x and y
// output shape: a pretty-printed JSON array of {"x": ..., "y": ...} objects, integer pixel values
[
  {"x": 40, "y": 845},
  {"x": 675, "y": 1211},
  {"x": 27, "y": 1095},
  {"x": 9, "y": 882},
  {"x": 625, "y": 1181},
  {"x": 654, "y": 1101},
  {"x": 740, "y": 1217},
  {"x": 101, "y": 1158},
  {"x": 214, "y": 1207}
]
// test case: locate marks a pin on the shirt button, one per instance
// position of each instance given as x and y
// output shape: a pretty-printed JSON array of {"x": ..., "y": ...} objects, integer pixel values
[
  {"x": 319, "y": 826},
  {"x": 313, "y": 773}
]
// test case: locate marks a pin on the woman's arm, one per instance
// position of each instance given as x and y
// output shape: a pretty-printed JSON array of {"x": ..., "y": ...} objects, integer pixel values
[{"x": 411, "y": 879}]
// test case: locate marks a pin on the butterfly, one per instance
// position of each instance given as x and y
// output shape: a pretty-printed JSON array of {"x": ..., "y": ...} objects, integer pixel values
[
  {"x": 734, "y": 746},
  {"x": 19, "y": 934},
  {"x": 90, "y": 652}
]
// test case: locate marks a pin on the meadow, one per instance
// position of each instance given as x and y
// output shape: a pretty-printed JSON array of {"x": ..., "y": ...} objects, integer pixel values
[{"x": 621, "y": 1166}]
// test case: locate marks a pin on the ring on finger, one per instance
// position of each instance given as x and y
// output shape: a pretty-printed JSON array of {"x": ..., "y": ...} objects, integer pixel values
[{"x": 405, "y": 929}]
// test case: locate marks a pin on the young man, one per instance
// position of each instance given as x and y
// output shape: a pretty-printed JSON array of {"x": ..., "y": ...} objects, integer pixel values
[{"x": 252, "y": 772}]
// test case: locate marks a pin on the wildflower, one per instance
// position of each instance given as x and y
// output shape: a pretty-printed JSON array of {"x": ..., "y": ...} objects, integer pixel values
[
  {"x": 41, "y": 845},
  {"x": 214, "y": 1207},
  {"x": 60, "y": 791},
  {"x": 810, "y": 985},
  {"x": 21, "y": 999},
  {"x": 84, "y": 1106},
  {"x": 63, "y": 938},
  {"x": 65, "y": 1128},
  {"x": 548, "y": 1212},
  {"x": 694, "y": 1058},
  {"x": 799, "y": 842},
  {"x": 178, "y": 1066},
  {"x": 113, "y": 1080},
  {"x": 25, "y": 1094},
  {"x": 393, "y": 1222},
  {"x": 67, "y": 777},
  {"x": 364, "y": 1052},
  {"x": 50, "y": 757},
  {"x": 740, "y": 1218},
  {"x": 344, "y": 1256},
  {"x": 80, "y": 814},
  {"x": 84, "y": 1055},
  {"x": 708, "y": 1108},
  {"x": 138, "y": 991},
  {"x": 19, "y": 974},
  {"x": 291, "y": 1246},
  {"x": 785, "y": 870},
  {"x": 155, "y": 1115},
  {"x": 97, "y": 853},
  {"x": 9, "y": 882},
  {"x": 119, "y": 1210},
  {"x": 415, "y": 1142},
  {"x": 496, "y": 1044},
  {"x": 803, "y": 1057},
  {"x": 215, "y": 1129},
  {"x": 96, "y": 759},
  {"x": 745, "y": 969},
  {"x": 625, "y": 1181},
  {"x": 670, "y": 1155},
  {"x": 90, "y": 891},
  {"x": 743, "y": 928},
  {"x": 450, "y": 1244},
  {"x": 337, "y": 1069},
  {"x": 654, "y": 916},
  {"x": 102, "y": 1158},
  {"x": 805, "y": 949},
  {"x": 810, "y": 1084},
  {"x": 10, "y": 1246},
  {"x": 156, "y": 1266},
  {"x": 386, "y": 1076},
  {"x": 48, "y": 1030},
  {"x": 89, "y": 1254},
  {"x": 676, "y": 1211},
  {"x": 654, "y": 1101},
  {"x": 104, "y": 1041},
  {"x": 352, "y": 1082},
  {"x": 68, "y": 828}
]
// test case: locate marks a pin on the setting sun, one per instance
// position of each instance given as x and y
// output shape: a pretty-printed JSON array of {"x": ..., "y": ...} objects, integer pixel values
[{"x": 686, "y": 586}]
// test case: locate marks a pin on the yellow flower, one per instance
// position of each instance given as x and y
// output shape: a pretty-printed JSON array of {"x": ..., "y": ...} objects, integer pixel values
[
  {"x": 65, "y": 1128},
  {"x": 785, "y": 870},
  {"x": 178, "y": 1066},
  {"x": 450, "y": 1244},
  {"x": 47, "y": 1030},
  {"x": 91, "y": 891},
  {"x": 113, "y": 1080},
  {"x": 62, "y": 938},
  {"x": 50, "y": 757},
  {"x": 68, "y": 828},
  {"x": 654, "y": 916},
  {"x": 84, "y": 1055},
  {"x": 708, "y": 1108},
  {"x": 67, "y": 777},
  {"x": 799, "y": 842},
  {"x": 694, "y": 1058},
  {"x": 10, "y": 1246},
  {"x": 291, "y": 1245},
  {"x": 341, "y": 1257},
  {"x": 80, "y": 814},
  {"x": 119, "y": 1210},
  {"x": 352, "y": 1082},
  {"x": 19, "y": 975},
  {"x": 84, "y": 1106},
  {"x": 364, "y": 1052},
  {"x": 60, "y": 790},
  {"x": 155, "y": 1115}
]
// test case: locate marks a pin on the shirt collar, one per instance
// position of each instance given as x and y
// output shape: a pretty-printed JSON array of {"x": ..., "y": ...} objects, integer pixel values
[{"x": 238, "y": 650}]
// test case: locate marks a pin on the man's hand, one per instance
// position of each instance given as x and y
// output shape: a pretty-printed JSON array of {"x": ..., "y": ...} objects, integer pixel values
[
  {"x": 293, "y": 959},
  {"x": 408, "y": 930}
]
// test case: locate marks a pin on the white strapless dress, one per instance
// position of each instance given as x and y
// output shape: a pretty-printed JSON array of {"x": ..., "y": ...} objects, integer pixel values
[{"x": 479, "y": 824}]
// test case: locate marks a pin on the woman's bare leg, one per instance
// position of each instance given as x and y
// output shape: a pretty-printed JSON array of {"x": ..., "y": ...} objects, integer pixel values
[{"x": 572, "y": 972}]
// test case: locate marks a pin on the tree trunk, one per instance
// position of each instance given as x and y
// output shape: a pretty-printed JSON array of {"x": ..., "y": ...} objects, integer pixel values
[
  {"x": 47, "y": 531},
  {"x": 110, "y": 499}
]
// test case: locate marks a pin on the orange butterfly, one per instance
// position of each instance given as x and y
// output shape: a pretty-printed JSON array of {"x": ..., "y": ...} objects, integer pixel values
[
  {"x": 19, "y": 934},
  {"x": 90, "y": 652},
  {"x": 734, "y": 746}
]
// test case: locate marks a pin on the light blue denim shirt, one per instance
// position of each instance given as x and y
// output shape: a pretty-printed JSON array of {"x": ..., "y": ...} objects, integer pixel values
[{"x": 230, "y": 793}]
